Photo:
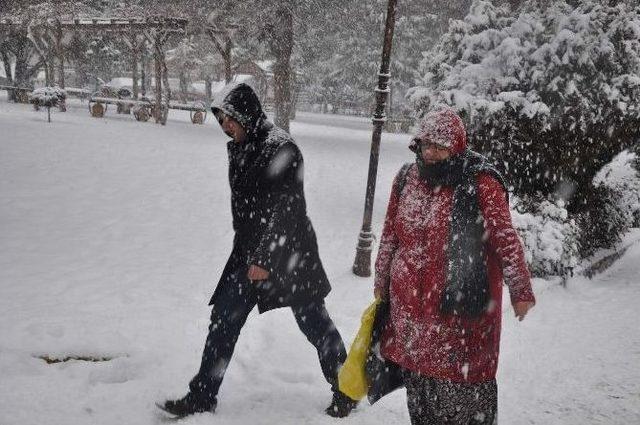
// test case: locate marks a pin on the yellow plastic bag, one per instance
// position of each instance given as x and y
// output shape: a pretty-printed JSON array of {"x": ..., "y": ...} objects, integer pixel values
[{"x": 352, "y": 379}]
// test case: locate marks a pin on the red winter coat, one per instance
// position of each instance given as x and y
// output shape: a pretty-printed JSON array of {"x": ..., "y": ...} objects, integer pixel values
[{"x": 412, "y": 263}]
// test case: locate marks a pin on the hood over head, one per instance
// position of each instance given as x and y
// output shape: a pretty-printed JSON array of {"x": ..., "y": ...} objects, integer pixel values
[
  {"x": 443, "y": 127},
  {"x": 241, "y": 103}
]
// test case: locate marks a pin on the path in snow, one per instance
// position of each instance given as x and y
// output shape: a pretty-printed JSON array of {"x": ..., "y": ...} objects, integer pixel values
[{"x": 113, "y": 235}]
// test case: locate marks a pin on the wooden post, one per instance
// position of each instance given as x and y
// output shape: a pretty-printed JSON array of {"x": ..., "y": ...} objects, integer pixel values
[
  {"x": 362, "y": 263},
  {"x": 143, "y": 73},
  {"x": 135, "y": 50},
  {"x": 134, "y": 75}
]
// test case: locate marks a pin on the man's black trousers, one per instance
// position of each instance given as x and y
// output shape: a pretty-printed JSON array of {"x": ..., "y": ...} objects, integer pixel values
[{"x": 229, "y": 313}]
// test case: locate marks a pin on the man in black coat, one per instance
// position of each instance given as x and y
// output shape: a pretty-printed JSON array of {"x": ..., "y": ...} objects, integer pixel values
[{"x": 274, "y": 262}]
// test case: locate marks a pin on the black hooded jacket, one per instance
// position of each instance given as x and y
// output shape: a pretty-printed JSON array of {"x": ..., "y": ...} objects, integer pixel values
[{"x": 270, "y": 220}]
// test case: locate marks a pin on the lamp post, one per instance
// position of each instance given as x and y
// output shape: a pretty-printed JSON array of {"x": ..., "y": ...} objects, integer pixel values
[{"x": 362, "y": 263}]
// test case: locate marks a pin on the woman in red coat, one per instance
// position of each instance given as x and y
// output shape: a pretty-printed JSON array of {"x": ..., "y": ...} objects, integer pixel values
[{"x": 447, "y": 246}]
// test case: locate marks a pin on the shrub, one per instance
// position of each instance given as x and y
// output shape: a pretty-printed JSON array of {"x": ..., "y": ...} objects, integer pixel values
[
  {"x": 603, "y": 223},
  {"x": 48, "y": 97},
  {"x": 622, "y": 176},
  {"x": 548, "y": 235},
  {"x": 551, "y": 95}
]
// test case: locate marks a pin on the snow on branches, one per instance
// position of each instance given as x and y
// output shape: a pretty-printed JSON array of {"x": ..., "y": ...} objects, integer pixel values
[
  {"x": 552, "y": 94},
  {"x": 48, "y": 97}
]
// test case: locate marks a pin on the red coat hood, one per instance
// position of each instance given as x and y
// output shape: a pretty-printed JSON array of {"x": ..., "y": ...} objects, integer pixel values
[{"x": 444, "y": 127}]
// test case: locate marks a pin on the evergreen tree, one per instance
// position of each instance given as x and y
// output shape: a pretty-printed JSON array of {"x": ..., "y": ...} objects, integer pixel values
[{"x": 552, "y": 94}]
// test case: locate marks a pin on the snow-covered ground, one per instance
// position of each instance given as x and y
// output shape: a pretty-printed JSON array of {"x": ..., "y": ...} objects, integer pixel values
[{"x": 113, "y": 234}]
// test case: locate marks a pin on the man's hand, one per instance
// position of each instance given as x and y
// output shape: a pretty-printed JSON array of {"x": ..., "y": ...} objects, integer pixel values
[
  {"x": 257, "y": 273},
  {"x": 522, "y": 308}
]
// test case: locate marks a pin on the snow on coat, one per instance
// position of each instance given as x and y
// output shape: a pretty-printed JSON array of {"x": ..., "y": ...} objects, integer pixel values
[
  {"x": 272, "y": 229},
  {"x": 412, "y": 267}
]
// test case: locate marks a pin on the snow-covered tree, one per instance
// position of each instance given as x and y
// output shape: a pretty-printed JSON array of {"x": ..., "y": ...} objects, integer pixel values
[
  {"x": 33, "y": 29},
  {"x": 342, "y": 61},
  {"x": 48, "y": 97},
  {"x": 268, "y": 30},
  {"x": 552, "y": 93},
  {"x": 279, "y": 26},
  {"x": 183, "y": 60},
  {"x": 102, "y": 57},
  {"x": 20, "y": 57}
]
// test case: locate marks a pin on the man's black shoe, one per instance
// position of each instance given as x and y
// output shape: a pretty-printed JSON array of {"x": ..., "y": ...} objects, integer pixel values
[
  {"x": 188, "y": 405},
  {"x": 341, "y": 405}
]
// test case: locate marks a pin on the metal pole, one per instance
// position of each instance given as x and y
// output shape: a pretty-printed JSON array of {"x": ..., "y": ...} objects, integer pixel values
[{"x": 362, "y": 263}]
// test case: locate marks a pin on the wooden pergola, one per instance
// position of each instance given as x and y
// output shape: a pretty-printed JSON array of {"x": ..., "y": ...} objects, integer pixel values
[{"x": 136, "y": 31}]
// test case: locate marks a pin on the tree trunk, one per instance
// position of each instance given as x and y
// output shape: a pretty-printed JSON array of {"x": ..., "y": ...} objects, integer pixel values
[
  {"x": 47, "y": 74},
  {"x": 158, "y": 88},
  {"x": 282, "y": 92},
  {"x": 60, "y": 53},
  {"x": 165, "y": 80},
  {"x": 294, "y": 96},
  {"x": 52, "y": 70},
  {"x": 224, "y": 51},
  {"x": 61, "y": 105},
  {"x": 7, "y": 66},
  {"x": 8, "y": 73},
  {"x": 148, "y": 71},
  {"x": 143, "y": 76},
  {"x": 134, "y": 71},
  {"x": 23, "y": 74},
  {"x": 228, "y": 74},
  {"x": 282, "y": 46},
  {"x": 207, "y": 88},
  {"x": 162, "y": 77},
  {"x": 183, "y": 85}
]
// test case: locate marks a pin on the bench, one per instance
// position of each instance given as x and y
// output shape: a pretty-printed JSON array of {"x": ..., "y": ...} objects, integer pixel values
[{"x": 144, "y": 109}]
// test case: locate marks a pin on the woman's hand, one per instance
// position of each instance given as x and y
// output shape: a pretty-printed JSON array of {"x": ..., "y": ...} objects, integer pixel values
[
  {"x": 379, "y": 294},
  {"x": 521, "y": 309}
]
